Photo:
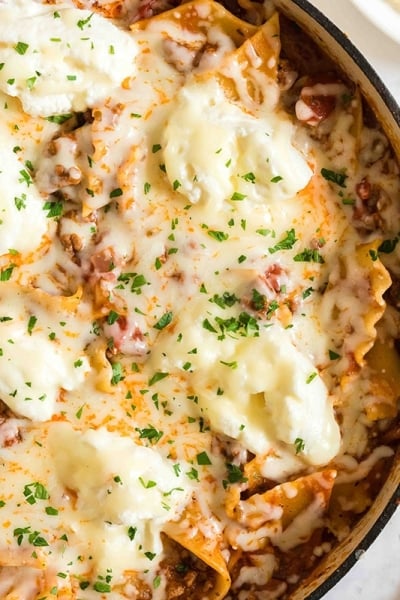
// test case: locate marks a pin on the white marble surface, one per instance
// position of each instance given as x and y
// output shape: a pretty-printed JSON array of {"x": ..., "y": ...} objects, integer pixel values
[{"x": 376, "y": 576}]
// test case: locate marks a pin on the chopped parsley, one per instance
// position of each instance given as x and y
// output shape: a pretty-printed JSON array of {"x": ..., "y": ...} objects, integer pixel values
[
  {"x": 164, "y": 321},
  {"x": 112, "y": 317},
  {"x": 131, "y": 533},
  {"x": 309, "y": 255},
  {"x": 82, "y": 23},
  {"x": 286, "y": 243},
  {"x": 250, "y": 177},
  {"x": 237, "y": 196},
  {"x": 150, "y": 433},
  {"x": 21, "y": 48},
  {"x": 117, "y": 373},
  {"x": 388, "y": 246},
  {"x": 234, "y": 475},
  {"x": 203, "y": 459},
  {"x": 244, "y": 325},
  {"x": 31, "y": 324},
  {"x": 311, "y": 377},
  {"x": 55, "y": 209},
  {"x": 116, "y": 193},
  {"x": 335, "y": 177},
  {"x": 20, "y": 203},
  {"x": 299, "y": 445},
  {"x": 220, "y": 236},
  {"x": 158, "y": 376},
  {"x": 258, "y": 301},
  {"x": 224, "y": 300},
  {"x": 35, "y": 491}
]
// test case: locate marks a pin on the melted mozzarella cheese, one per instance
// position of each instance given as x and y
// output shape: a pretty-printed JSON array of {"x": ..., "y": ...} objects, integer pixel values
[
  {"x": 20, "y": 202},
  {"x": 247, "y": 151},
  {"x": 205, "y": 253},
  {"x": 56, "y": 61},
  {"x": 40, "y": 353},
  {"x": 256, "y": 388},
  {"x": 119, "y": 485}
]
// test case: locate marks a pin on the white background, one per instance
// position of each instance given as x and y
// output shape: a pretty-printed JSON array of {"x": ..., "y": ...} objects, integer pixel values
[{"x": 376, "y": 576}]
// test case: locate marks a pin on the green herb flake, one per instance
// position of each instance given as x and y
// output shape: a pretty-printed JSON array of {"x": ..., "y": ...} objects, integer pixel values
[
  {"x": 373, "y": 254},
  {"x": 21, "y": 48},
  {"x": 232, "y": 364},
  {"x": 20, "y": 202},
  {"x": 55, "y": 209},
  {"x": 112, "y": 317},
  {"x": 220, "y": 236},
  {"x": 258, "y": 301},
  {"x": 82, "y": 23},
  {"x": 30, "y": 82},
  {"x": 116, "y": 193},
  {"x": 102, "y": 587},
  {"x": 164, "y": 321},
  {"x": 59, "y": 119},
  {"x": 147, "y": 484},
  {"x": 311, "y": 377},
  {"x": 306, "y": 293},
  {"x": 146, "y": 187},
  {"x": 203, "y": 459},
  {"x": 388, "y": 246},
  {"x": 334, "y": 355},
  {"x": 35, "y": 491},
  {"x": 299, "y": 445},
  {"x": 84, "y": 585},
  {"x": 348, "y": 201},
  {"x": 150, "y": 433},
  {"x": 285, "y": 243},
  {"x": 309, "y": 255},
  {"x": 158, "y": 376},
  {"x": 250, "y": 177},
  {"x": 193, "y": 474},
  {"x": 157, "y": 263},
  {"x": 224, "y": 300},
  {"x": 131, "y": 533},
  {"x": 117, "y": 373},
  {"x": 51, "y": 511},
  {"x": 237, "y": 196},
  {"x": 176, "y": 185},
  {"x": 234, "y": 475},
  {"x": 25, "y": 177},
  {"x": 79, "y": 412},
  {"x": 339, "y": 178},
  {"x": 31, "y": 324}
]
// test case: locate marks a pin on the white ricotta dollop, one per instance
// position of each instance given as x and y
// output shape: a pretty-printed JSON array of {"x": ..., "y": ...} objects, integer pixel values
[
  {"x": 125, "y": 494},
  {"x": 58, "y": 59},
  {"x": 217, "y": 150},
  {"x": 258, "y": 389},
  {"x": 42, "y": 352}
]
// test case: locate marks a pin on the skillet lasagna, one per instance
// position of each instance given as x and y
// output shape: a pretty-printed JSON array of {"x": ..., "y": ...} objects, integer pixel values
[{"x": 199, "y": 293}]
